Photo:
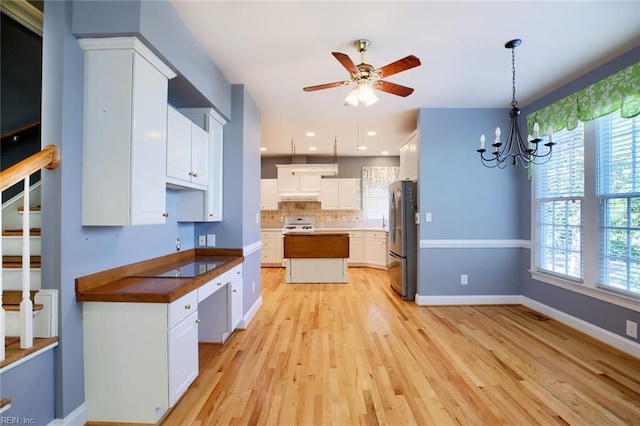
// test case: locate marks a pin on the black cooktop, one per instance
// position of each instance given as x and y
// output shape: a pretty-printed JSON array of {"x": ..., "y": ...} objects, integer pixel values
[{"x": 190, "y": 270}]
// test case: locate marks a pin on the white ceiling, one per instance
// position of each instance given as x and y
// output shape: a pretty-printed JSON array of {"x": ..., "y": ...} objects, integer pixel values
[{"x": 277, "y": 48}]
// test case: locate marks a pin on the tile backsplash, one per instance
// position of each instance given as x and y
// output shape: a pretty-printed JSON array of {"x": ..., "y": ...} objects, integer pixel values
[{"x": 310, "y": 208}]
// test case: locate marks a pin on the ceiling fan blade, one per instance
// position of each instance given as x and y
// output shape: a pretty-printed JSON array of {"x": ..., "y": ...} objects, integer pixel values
[
  {"x": 393, "y": 88},
  {"x": 403, "y": 64},
  {"x": 346, "y": 62},
  {"x": 325, "y": 86}
]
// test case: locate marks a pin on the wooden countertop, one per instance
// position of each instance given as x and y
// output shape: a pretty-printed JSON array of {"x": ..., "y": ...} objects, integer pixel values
[{"x": 124, "y": 284}]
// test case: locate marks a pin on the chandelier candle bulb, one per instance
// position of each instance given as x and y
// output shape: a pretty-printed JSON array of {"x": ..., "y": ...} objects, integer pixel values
[
  {"x": 498, "y": 133},
  {"x": 482, "y": 139},
  {"x": 536, "y": 130}
]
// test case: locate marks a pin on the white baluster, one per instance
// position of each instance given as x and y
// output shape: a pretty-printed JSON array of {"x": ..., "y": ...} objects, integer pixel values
[
  {"x": 2, "y": 321},
  {"x": 26, "y": 306}
]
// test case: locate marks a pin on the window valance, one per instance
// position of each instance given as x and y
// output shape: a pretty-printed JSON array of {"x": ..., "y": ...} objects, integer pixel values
[
  {"x": 620, "y": 91},
  {"x": 379, "y": 175}
]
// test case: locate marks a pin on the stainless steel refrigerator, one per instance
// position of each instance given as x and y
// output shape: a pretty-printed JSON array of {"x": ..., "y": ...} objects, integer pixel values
[{"x": 403, "y": 238}]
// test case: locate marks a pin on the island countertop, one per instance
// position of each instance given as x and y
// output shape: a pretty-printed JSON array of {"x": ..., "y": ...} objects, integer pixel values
[{"x": 137, "y": 282}]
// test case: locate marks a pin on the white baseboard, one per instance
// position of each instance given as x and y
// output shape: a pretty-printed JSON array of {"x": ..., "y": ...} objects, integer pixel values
[
  {"x": 77, "y": 417},
  {"x": 251, "y": 313},
  {"x": 468, "y": 300},
  {"x": 612, "y": 339}
]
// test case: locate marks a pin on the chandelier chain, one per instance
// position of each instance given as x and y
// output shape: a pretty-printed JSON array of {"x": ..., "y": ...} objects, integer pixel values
[{"x": 513, "y": 79}]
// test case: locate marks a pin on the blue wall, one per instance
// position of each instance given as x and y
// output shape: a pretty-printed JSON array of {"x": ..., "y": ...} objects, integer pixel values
[{"x": 468, "y": 203}]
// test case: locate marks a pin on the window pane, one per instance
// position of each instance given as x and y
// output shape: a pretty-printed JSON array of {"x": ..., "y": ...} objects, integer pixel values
[{"x": 618, "y": 141}]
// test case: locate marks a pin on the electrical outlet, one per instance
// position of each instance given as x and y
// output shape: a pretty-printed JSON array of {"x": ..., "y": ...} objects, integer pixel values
[
  {"x": 344, "y": 219},
  {"x": 202, "y": 240},
  {"x": 328, "y": 218},
  {"x": 211, "y": 240},
  {"x": 427, "y": 217},
  {"x": 178, "y": 244},
  {"x": 632, "y": 329},
  {"x": 464, "y": 279}
]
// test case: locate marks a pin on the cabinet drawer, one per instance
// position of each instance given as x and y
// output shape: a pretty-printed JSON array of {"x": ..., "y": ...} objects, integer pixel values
[
  {"x": 182, "y": 308},
  {"x": 356, "y": 234},
  {"x": 269, "y": 235},
  {"x": 377, "y": 234}
]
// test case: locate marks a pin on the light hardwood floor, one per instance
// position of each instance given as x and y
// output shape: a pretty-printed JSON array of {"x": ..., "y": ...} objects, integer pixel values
[{"x": 345, "y": 354}]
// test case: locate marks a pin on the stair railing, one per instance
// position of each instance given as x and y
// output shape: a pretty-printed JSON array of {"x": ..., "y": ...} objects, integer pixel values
[{"x": 49, "y": 158}]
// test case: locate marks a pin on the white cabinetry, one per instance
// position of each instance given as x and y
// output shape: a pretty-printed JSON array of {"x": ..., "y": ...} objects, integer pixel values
[
  {"x": 356, "y": 248},
  {"x": 236, "y": 302},
  {"x": 340, "y": 194},
  {"x": 187, "y": 152},
  {"x": 157, "y": 347},
  {"x": 205, "y": 205},
  {"x": 376, "y": 249},
  {"x": 409, "y": 158},
  {"x": 271, "y": 247},
  {"x": 268, "y": 194},
  {"x": 124, "y": 133},
  {"x": 290, "y": 182}
]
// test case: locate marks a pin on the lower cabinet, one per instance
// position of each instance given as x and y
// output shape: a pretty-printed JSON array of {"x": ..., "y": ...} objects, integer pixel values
[
  {"x": 139, "y": 358},
  {"x": 271, "y": 247},
  {"x": 377, "y": 249},
  {"x": 356, "y": 248},
  {"x": 183, "y": 363},
  {"x": 236, "y": 303}
]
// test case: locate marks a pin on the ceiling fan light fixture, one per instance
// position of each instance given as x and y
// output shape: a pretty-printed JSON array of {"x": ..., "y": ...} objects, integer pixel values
[
  {"x": 352, "y": 97},
  {"x": 361, "y": 93}
]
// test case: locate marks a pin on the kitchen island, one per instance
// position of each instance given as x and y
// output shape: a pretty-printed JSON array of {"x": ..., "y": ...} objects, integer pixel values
[{"x": 316, "y": 257}]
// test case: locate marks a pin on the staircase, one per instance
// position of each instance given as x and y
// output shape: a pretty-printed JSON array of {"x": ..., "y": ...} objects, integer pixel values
[{"x": 27, "y": 311}]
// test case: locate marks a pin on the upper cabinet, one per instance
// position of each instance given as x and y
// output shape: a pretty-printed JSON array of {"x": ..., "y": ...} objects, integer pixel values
[
  {"x": 124, "y": 133},
  {"x": 204, "y": 205},
  {"x": 187, "y": 152},
  {"x": 409, "y": 158},
  {"x": 340, "y": 194},
  {"x": 289, "y": 181},
  {"x": 268, "y": 194}
]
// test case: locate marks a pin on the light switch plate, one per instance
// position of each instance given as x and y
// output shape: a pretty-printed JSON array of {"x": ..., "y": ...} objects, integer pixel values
[
  {"x": 202, "y": 240},
  {"x": 211, "y": 240},
  {"x": 427, "y": 217}
]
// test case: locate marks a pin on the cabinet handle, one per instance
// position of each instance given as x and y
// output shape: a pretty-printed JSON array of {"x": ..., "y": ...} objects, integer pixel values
[
  {"x": 219, "y": 284},
  {"x": 234, "y": 290},
  {"x": 198, "y": 321},
  {"x": 165, "y": 214},
  {"x": 194, "y": 174},
  {"x": 190, "y": 173},
  {"x": 187, "y": 307}
]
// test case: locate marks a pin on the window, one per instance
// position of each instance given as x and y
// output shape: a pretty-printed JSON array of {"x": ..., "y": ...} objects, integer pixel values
[
  {"x": 587, "y": 206},
  {"x": 376, "y": 201},
  {"x": 375, "y": 191},
  {"x": 618, "y": 172},
  {"x": 559, "y": 206}
]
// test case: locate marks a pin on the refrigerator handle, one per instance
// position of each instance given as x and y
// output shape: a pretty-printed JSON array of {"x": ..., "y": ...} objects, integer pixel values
[{"x": 416, "y": 218}]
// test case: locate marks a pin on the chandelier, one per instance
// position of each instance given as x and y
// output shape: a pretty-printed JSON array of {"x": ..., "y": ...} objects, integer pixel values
[
  {"x": 516, "y": 149},
  {"x": 361, "y": 93}
]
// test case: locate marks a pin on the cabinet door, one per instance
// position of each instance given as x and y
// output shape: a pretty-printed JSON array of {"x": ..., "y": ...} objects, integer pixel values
[
  {"x": 356, "y": 247},
  {"x": 377, "y": 252},
  {"x": 287, "y": 181},
  {"x": 148, "y": 148},
  {"x": 236, "y": 303},
  {"x": 329, "y": 198},
  {"x": 310, "y": 183},
  {"x": 268, "y": 194},
  {"x": 183, "y": 356},
  {"x": 347, "y": 189},
  {"x": 199, "y": 155},
  {"x": 178, "y": 145}
]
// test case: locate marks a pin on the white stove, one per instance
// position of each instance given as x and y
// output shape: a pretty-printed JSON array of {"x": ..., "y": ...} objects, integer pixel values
[{"x": 299, "y": 224}]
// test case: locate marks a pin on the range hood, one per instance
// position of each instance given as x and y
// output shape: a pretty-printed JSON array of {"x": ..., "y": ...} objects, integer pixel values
[
  {"x": 314, "y": 169},
  {"x": 299, "y": 196}
]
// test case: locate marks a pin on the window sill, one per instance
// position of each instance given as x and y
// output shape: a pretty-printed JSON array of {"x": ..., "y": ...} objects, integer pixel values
[{"x": 596, "y": 293}]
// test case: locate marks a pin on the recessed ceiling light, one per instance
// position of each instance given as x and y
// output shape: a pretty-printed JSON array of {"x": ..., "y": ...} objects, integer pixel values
[
  {"x": 372, "y": 133},
  {"x": 385, "y": 152},
  {"x": 361, "y": 147},
  {"x": 310, "y": 134},
  {"x": 312, "y": 148},
  {"x": 263, "y": 149}
]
